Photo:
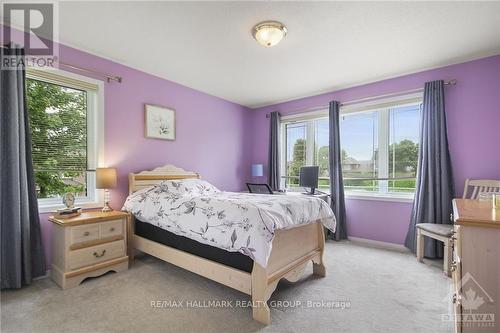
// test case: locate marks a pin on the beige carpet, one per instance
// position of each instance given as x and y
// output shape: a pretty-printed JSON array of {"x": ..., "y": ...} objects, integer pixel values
[{"x": 383, "y": 291}]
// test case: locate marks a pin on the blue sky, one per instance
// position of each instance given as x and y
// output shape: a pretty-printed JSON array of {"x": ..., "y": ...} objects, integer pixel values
[{"x": 359, "y": 131}]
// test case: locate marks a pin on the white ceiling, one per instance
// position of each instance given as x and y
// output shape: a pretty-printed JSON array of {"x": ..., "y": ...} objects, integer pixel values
[{"x": 330, "y": 45}]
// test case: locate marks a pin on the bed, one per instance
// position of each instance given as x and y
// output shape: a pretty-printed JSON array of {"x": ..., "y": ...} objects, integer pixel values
[{"x": 252, "y": 273}]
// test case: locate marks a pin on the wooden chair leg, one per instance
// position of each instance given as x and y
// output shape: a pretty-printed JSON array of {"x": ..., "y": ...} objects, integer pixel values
[
  {"x": 420, "y": 245},
  {"x": 447, "y": 257}
]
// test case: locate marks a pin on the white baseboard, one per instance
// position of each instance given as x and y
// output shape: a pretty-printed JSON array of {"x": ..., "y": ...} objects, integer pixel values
[{"x": 379, "y": 244}]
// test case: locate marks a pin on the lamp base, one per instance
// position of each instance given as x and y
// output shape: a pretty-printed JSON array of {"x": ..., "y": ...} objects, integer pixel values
[{"x": 106, "y": 207}]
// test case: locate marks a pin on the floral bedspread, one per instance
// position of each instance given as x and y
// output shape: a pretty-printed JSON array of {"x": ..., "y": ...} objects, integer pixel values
[{"x": 235, "y": 222}]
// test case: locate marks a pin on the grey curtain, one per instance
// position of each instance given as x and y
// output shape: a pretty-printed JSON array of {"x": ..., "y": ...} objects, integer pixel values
[
  {"x": 434, "y": 188},
  {"x": 335, "y": 169},
  {"x": 21, "y": 248},
  {"x": 273, "y": 169}
]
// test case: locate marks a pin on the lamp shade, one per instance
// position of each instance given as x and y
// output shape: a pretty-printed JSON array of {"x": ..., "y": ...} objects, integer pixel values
[
  {"x": 257, "y": 170},
  {"x": 105, "y": 178}
]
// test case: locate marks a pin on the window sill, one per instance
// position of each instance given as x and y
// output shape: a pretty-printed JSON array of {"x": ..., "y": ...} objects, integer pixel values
[
  {"x": 380, "y": 197},
  {"x": 51, "y": 208},
  {"x": 408, "y": 198}
]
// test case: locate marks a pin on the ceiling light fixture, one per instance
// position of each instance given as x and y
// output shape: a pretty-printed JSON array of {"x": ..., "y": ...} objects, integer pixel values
[{"x": 269, "y": 33}]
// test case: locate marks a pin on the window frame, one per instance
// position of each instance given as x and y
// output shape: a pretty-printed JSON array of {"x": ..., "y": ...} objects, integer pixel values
[
  {"x": 310, "y": 134},
  {"x": 95, "y": 134},
  {"x": 372, "y": 104}
]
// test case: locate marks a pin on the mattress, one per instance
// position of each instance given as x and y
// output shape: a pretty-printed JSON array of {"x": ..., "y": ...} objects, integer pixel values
[{"x": 159, "y": 235}]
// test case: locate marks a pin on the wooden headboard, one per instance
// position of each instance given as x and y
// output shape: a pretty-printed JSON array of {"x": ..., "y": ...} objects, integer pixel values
[{"x": 143, "y": 179}]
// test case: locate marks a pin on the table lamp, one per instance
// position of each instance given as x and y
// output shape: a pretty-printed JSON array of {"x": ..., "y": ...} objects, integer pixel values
[
  {"x": 106, "y": 179},
  {"x": 257, "y": 170}
]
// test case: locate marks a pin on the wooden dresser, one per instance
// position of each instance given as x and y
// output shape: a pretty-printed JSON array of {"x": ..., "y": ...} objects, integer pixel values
[
  {"x": 476, "y": 266},
  {"x": 88, "y": 245}
]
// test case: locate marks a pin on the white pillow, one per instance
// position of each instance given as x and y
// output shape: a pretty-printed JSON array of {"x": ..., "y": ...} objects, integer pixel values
[{"x": 186, "y": 187}]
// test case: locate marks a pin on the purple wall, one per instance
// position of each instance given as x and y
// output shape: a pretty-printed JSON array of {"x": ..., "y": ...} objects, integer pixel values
[
  {"x": 473, "y": 114},
  {"x": 221, "y": 139},
  {"x": 211, "y": 133}
]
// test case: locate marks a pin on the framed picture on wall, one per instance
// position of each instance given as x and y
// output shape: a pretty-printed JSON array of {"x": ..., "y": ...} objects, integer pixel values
[{"x": 159, "y": 122}]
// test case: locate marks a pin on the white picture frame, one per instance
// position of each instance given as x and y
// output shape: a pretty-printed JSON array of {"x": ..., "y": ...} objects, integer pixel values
[{"x": 159, "y": 122}]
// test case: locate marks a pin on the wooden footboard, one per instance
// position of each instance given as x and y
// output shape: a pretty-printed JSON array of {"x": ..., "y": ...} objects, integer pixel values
[{"x": 292, "y": 250}]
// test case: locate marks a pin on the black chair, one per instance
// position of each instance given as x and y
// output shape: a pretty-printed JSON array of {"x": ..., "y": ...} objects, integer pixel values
[{"x": 259, "y": 188}]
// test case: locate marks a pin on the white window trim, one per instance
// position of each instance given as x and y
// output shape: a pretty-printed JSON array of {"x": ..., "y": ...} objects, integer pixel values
[
  {"x": 370, "y": 105},
  {"x": 399, "y": 197},
  {"x": 95, "y": 137}
]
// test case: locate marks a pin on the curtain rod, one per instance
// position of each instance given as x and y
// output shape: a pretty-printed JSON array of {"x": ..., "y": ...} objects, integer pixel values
[
  {"x": 108, "y": 77},
  {"x": 365, "y": 99}
]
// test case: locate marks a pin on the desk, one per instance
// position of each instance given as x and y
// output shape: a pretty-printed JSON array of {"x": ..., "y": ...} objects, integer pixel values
[{"x": 322, "y": 196}]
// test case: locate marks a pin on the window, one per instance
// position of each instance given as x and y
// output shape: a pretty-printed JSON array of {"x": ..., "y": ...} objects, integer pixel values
[
  {"x": 379, "y": 147},
  {"x": 65, "y": 137},
  {"x": 306, "y": 143},
  {"x": 359, "y": 140}
]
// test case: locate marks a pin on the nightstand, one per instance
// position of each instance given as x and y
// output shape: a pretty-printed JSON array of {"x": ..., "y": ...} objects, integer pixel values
[{"x": 88, "y": 245}]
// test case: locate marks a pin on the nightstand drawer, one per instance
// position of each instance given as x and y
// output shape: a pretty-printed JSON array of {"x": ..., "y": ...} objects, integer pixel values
[
  {"x": 111, "y": 228},
  {"x": 96, "y": 254},
  {"x": 84, "y": 233}
]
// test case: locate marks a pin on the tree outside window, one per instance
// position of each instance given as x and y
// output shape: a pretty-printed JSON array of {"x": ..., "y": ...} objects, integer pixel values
[{"x": 58, "y": 121}]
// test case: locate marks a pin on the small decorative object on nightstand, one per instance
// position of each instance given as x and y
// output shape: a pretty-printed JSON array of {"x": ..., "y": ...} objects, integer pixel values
[
  {"x": 88, "y": 245},
  {"x": 70, "y": 210},
  {"x": 106, "y": 179},
  {"x": 69, "y": 200}
]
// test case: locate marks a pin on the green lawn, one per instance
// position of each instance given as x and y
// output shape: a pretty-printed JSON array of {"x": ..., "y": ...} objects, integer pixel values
[{"x": 395, "y": 186}]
